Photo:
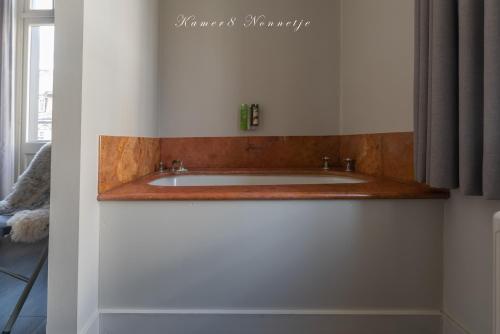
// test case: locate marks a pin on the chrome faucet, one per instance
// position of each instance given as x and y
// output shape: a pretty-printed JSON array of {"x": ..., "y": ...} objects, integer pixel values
[
  {"x": 350, "y": 165},
  {"x": 326, "y": 163},
  {"x": 178, "y": 167},
  {"x": 161, "y": 168}
]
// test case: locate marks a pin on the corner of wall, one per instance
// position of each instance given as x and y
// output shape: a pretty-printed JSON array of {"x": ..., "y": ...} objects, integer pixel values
[
  {"x": 470, "y": 262},
  {"x": 387, "y": 105},
  {"x": 62, "y": 303},
  {"x": 496, "y": 273},
  {"x": 451, "y": 326},
  {"x": 341, "y": 69},
  {"x": 157, "y": 61},
  {"x": 92, "y": 325}
]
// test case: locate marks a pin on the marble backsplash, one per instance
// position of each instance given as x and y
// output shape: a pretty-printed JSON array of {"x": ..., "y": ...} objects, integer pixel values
[{"x": 123, "y": 159}]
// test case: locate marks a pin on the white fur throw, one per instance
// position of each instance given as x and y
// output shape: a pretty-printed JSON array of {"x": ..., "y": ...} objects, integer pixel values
[
  {"x": 29, "y": 200},
  {"x": 29, "y": 225}
]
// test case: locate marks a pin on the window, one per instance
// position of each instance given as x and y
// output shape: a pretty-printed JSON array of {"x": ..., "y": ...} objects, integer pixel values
[
  {"x": 40, "y": 72},
  {"x": 41, "y": 4},
  {"x": 36, "y": 30},
  {"x": 35, "y": 69}
]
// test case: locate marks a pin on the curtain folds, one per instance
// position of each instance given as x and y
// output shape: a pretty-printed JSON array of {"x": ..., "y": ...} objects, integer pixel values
[
  {"x": 6, "y": 94},
  {"x": 457, "y": 95}
]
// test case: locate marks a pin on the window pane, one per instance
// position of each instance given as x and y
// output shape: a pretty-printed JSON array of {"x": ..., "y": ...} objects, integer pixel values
[
  {"x": 40, "y": 82},
  {"x": 41, "y": 4}
]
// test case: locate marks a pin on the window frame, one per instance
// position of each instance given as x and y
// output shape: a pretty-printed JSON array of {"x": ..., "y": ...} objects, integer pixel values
[
  {"x": 25, "y": 17},
  {"x": 30, "y": 123}
]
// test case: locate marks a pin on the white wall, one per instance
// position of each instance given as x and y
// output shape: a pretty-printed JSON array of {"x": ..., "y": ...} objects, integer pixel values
[
  {"x": 206, "y": 75},
  {"x": 354, "y": 258},
  {"x": 119, "y": 97},
  {"x": 352, "y": 72},
  {"x": 65, "y": 181},
  {"x": 468, "y": 261},
  {"x": 377, "y": 66},
  {"x": 106, "y": 83}
]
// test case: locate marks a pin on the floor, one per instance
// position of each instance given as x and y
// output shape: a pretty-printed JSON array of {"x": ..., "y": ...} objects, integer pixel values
[{"x": 22, "y": 258}]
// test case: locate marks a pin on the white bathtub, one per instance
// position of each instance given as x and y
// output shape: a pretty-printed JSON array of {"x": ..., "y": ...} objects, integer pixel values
[{"x": 249, "y": 180}]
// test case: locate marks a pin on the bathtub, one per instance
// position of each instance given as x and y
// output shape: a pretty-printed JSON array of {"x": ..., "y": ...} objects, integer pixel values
[{"x": 250, "y": 180}]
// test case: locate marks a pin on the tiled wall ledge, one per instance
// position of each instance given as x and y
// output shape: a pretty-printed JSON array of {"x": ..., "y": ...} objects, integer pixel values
[{"x": 123, "y": 159}]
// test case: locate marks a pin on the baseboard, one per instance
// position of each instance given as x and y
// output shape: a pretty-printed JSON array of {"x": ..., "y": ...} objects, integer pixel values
[
  {"x": 269, "y": 321},
  {"x": 367, "y": 312},
  {"x": 92, "y": 324}
]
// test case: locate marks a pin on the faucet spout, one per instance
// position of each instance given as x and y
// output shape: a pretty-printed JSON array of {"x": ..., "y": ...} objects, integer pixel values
[{"x": 178, "y": 167}]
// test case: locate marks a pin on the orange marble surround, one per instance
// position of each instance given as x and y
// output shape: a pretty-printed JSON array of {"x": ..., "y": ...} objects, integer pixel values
[
  {"x": 251, "y": 152},
  {"x": 389, "y": 155},
  {"x": 125, "y": 159},
  {"x": 372, "y": 188}
]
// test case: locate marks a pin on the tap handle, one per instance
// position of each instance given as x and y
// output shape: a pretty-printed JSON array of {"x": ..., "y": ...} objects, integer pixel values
[
  {"x": 350, "y": 165},
  {"x": 326, "y": 163}
]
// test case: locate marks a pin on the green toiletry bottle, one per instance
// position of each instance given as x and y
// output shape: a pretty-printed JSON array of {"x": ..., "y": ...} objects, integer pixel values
[{"x": 244, "y": 117}]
